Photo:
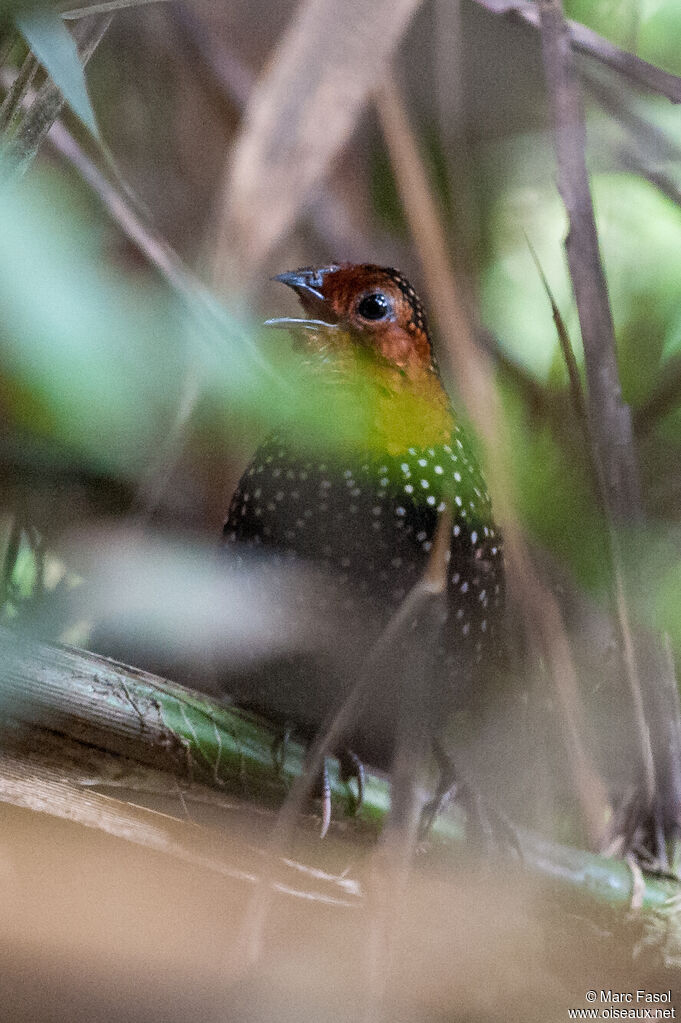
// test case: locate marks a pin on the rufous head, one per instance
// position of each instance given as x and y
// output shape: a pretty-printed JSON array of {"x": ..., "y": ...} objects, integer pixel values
[{"x": 373, "y": 308}]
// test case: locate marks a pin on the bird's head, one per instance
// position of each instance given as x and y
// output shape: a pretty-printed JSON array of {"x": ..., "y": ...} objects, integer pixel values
[{"x": 370, "y": 310}]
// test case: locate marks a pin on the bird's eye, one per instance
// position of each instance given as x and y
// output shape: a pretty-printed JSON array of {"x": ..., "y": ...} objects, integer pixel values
[{"x": 374, "y": 306}]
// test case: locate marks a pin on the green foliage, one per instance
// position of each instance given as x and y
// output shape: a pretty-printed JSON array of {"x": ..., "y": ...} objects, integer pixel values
[
  {"x": 87, "y": 360},
  {"x": 10, "y": 8},
  {"x": 658, "y": 38},
  {"x": 648, "y": 28},
  {"x": 642, "y": 278},
  {"x": 54, "y": 46}
]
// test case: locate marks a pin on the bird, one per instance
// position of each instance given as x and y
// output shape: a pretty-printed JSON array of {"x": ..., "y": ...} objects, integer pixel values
[{"x": 362, "y": 501}]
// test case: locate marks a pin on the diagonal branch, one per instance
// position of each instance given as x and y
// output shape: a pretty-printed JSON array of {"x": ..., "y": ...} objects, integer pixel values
[
  {"x": 586, "y": 41},
  {"x": 610, "y": 418},
  {"x": 472, "y": 371},
  {"x": 610, "y": 422},
  {"x": 62, "y": 695}
]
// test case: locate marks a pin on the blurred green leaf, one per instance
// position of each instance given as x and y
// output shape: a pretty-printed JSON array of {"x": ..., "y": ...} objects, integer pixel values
[
  {"x": 617, "y": 20},
  {"x": 568, "y": 525},
  {"x": 87, "y": 360},
  {"x": 658, "y": 38},
  {"x": 640, "y": 237},
  {"x": 9, "y": 8},
  {"x": 55, "y": 48}
]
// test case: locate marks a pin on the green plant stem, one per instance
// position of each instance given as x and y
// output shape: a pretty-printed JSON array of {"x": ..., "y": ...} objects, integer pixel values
[
  {"x": 45, "y": 109},
  {"x": 100, "y": 703},
  {"x": 15, "y": 97}
]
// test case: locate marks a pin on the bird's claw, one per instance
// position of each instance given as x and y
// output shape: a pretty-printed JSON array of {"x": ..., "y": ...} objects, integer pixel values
[{"x": 350, "y": 766}]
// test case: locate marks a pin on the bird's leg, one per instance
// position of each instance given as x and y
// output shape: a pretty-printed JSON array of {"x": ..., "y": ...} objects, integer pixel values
[
  {"x": 487, "y": 828},
  {"x": 280, "y": 749},
  {"x": 350, "y": 766},
  {"x": 322, "y": 789},
  {"x": 447, "y": 787},
  {"x": 323, "y": 792}
]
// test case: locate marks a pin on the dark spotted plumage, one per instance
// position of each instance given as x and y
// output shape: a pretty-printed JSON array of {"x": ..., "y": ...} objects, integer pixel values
[{"x": 368, "y": 519}]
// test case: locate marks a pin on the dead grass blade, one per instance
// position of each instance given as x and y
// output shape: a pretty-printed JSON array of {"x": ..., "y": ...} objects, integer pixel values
[
  {"x": 299, "y": 116},
  {"x": 473, "y": 373}
]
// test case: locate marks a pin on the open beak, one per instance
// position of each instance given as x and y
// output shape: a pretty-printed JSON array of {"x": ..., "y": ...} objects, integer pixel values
[
  {"x": 299, "y": 323},
  {"x": 308, "y": 284}
]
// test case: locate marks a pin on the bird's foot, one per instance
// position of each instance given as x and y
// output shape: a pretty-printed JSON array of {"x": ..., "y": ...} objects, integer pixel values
[
  {"x": 487, "y": 829},
  {"x": 323, "y": 792},
  {"x": 279, "y": 749},
  {"x": 351, "y": 767}
]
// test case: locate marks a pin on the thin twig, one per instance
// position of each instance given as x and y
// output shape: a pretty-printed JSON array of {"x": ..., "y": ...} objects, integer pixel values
[
  {"x": 609, "y": 419},
  {"x": 15, "y": 97},
  {"x": 576, "y": 392},
  {"x": 339, "y": 230},
  {"x": 664, "y": 399},
  {"x": 586, "y": 41},
  {"x": 608, "y": 93},
  {"x": 474, "y": 376},
  {"x": 646, "y": 141},
  {"x": 107, "y": 7},
  {"x": 48, "y": 103},
  {"x": 10, "y": 559},
  {"x": 143, "y": 236}
]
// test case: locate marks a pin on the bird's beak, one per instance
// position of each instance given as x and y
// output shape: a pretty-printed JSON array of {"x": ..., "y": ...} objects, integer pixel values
[
  {"x": 299, "y": 323},
  {"x": 308, "y": 284}
]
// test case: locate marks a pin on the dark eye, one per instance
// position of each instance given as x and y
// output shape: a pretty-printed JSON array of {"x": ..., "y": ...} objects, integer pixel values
[{"x": 374, "y": 307}]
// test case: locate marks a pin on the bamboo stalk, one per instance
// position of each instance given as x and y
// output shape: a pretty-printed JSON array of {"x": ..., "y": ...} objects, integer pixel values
[{"x": 100, "y": 703}]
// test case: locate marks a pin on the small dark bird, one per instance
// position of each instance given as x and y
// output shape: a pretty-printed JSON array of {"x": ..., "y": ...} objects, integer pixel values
[{"x": 363, "y": 505}]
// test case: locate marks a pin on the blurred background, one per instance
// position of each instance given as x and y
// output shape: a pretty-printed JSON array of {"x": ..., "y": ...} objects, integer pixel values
[{"x": 226, "y": 143}]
